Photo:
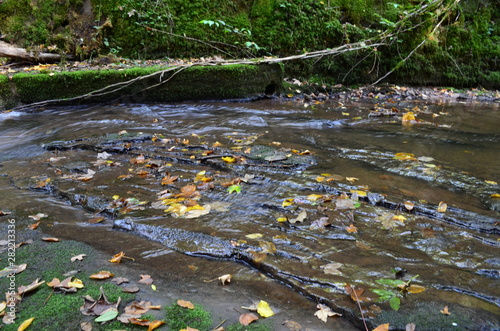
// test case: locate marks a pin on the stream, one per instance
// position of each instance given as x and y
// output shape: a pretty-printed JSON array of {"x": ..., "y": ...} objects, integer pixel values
[{"x": 341, "y": 201}]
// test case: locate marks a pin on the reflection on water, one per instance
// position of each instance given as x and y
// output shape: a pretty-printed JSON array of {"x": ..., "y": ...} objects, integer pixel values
[{"x": 450, "y": 155}]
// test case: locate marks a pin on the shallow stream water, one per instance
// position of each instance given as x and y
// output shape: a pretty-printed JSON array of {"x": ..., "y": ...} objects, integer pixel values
[{"x": 332, "y": 193}]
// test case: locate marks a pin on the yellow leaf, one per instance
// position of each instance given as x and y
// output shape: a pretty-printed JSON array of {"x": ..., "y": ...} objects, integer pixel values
[
  {"x": 495, "y": 196},
  {"x": 185, "y": 304},
  {"x": 351, "y": 179},
  {"x": 264, "y": 310},
  {"x": 359, "y": 192},
  {"x": 287, "y": 202},
  {"x": 382, "y": 327},
  {"x": 409, "y": 116},
  {"x": 76, "y": 283},
  {"x": 415, "y": 288},
  {"x": 228, "y": 159},
  {"x": 352, "y": 229},
  {"x": 24, "y": 325},
  {"x": 282, "y": 219},
  {"x": 442, "y": 207},
  {"x": 400, "y": 218},
  {"x": 254, "y": 235},
  {"x": 314, "y": 197},
  {"x": 319, "y": 179},
  {"x": 492, "y": 182},
  {"x": 155, "y": 324}
]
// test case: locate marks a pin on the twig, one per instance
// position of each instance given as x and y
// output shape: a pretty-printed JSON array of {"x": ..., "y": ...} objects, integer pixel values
[{"x": 360, "y": 310}]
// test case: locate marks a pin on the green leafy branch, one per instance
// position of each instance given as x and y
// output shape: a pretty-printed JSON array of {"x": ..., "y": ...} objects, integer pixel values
[{"x": 398, "y": 287}]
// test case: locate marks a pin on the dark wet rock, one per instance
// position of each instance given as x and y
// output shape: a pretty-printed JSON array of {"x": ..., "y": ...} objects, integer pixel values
[{"x": 492, "y": 273}]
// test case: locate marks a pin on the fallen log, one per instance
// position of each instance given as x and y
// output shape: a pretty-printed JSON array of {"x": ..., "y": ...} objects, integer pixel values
[{"x": 17, "y": 53}]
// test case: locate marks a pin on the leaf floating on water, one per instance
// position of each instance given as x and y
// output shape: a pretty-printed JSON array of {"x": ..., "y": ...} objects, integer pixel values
[
  {"x": 267, "y": 247},
  {"x": 442, "y": 207},
  {"x": 415, "y": 288},
  {"x": 287, "y": 202},
  {"x": 495, "y": 196},
  {"x": 352, "y": 229},
  {"x": 382, "y": 327},
  {"x": 228, "y": 159},
  {"x": 300, "y": 218},
  {"x": 291, "y": 325},
  {"x": 409, "y": 205},
  {"x": 324, "y": 312},
  {"x": 332, "y": 268},
  {"x": 254, "y": 235},
  {"x": 234, "y": 188},
  {"x": 351, "y": 179},
  {"x": 405, "y": 157},
  {"x": 341, "y": 204}
]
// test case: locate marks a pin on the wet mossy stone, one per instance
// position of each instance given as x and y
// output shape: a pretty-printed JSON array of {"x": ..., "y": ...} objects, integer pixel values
[
  {"x": 263, "y": 153},
  {"x": 211, "y": 82}
]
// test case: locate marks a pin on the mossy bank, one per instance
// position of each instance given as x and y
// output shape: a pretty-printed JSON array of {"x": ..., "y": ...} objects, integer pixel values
[{"x": 144, "y": 84}]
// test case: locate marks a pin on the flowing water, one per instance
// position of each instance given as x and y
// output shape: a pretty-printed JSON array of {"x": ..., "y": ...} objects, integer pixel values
[{"x": 332, "y": 193}]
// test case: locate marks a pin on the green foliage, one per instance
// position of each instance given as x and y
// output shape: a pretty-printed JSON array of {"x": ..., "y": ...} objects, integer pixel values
[{"x": 179, "y": 318}]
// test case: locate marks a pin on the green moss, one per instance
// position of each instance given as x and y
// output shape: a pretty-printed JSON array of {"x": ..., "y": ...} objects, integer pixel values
[
  {"x": 55, "y": 311},
  {"x": 251, "y": 327},
  {"x": 194, "y": 83},
  {"x": 7, "y": 99},
  {"x": 179, "y": 318}
]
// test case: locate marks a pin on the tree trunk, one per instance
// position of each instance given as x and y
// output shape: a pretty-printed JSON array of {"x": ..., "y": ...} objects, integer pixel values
[{"x": 13, "y": 52}]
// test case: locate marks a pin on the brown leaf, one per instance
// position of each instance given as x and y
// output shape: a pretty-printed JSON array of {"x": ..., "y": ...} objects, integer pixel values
[
  {"x": 413, "y": 288},
  {"x": 356, "y": 294},
  {"x": 34, "y": 226},
  {"x": 137, "y": 321},
  {"x": 409, "y": 205},
  {"x": 382, "y": 327},
  {"x": 332, "y": 268},
  {"x": 185, "y": 304},
  {"x": 352, "y": 229},
  {"x": 50, "y": 239},
  {"x": 130, "y": 289},
  {"x": 96, "y": 220},
  {"x": 146, "y": 279},
  {"x": 119, "y": 280},
  {"x": 292, "y": 326},
  {"x": 248, "y": 318},
  {"x": 117, "y": 258},
  {"x": 24, "y": 289},
  {"x": 102, "y": 275},
  {"x": 168, "y": 180},
  {"x": 86, "y": 326},
  {"x": 189, "y": 329}
]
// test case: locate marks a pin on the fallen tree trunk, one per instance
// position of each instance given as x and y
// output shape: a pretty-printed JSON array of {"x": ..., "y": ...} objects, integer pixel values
[{"x": 17, "y": 53}]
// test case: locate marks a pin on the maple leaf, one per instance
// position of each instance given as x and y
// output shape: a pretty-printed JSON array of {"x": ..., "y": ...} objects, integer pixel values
[
  {"x": 168, "y": 180},
  {"x": 117, "y": 258},
  {"x": 352, "y": 229},
  {"x": 382, "y": 327},
  {"x": 119, "y": 280},
  {"x": 332, "y": 268},
  {"x": 300, "y": 217},
  {"x": 146, "y": 279},
  {"x": 445, "y": 311},
  {"x": 324, "y": 312}
]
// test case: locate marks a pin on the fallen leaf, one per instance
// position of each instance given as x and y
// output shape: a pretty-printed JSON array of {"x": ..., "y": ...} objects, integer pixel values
[
  {"x": 287, "y": 202},
  {"x": 300, "y": 218},
  {"x": 445, "y": 311},
  {"x": 189, "y": 329},
  {"x": 228, "y": 159},
  {"x": 76, "y": 283},
  {"x": 50, "y": 239},
  {"x": 413, "y": 288},
  {"x": 185, "y": 304},
  {"x": 442, "y": 207},
  {"x": 86, "y": 326},
  {"x": 264, "y": 310},
  {"x": 155, "y": 324},
  {"x": 34, "y": 225},
  {"x": 119, "y": 280},
  {"x": 324, "y": 312},
  {"x": 291, "y": 325},
  {"x": 34, "y": 285},
  {"x": 248, "y": 318},
  {"x": 254, "y": 235},
  {"x": 492, "y": 182},
  {"x": 101, "y": 275},
  {"x": 78, "y": 257},
  {"x": 108, "y": 315},
  {"x": 130, "y": 289},
  {"x": 24, "y": 325},
  {"x": 267, "y": 247},
  {"x": 168, "y": 180},
  {"x": 332, "y": 268},
  {"x": 352, "y": 229},
  {"x": 409, "y": 205},
  {"x": 96, "y": 220},
  {"x": 382, "y": 327},
  {"x": 146, "y": 279},
  {"x": 495, "y": 196}
]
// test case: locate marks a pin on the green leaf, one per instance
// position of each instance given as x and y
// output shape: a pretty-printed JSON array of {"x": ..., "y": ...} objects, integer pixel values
[
  {"x": 391, "y": 282},
  {"x": 383, "y": 293},
  {"x": 234, "y": 188},
  {"x": 395, "y": 302},
  {"x": 107, "y": 315}
]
